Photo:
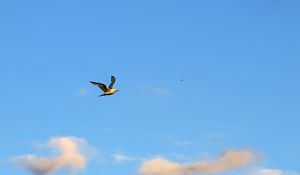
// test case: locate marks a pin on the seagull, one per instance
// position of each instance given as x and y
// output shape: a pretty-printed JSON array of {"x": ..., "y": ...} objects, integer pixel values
[{"x": 106, "y": 90}]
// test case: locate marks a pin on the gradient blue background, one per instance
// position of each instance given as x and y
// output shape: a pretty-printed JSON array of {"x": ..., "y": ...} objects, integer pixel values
[{"x": 239, "y": 60}]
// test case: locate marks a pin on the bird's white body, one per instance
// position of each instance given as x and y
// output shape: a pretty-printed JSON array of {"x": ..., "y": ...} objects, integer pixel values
[{"x": 109, "y": 92}]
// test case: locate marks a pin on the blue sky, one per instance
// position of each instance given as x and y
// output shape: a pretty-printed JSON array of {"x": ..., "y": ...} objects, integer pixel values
[{"x": 239, "y": 61}]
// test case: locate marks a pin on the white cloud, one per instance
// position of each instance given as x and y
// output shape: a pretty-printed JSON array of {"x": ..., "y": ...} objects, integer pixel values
[
  {"x": 266, "y": 171},
  {"x": 124, "y": 158},
  {"x": 72, "y": 154}
]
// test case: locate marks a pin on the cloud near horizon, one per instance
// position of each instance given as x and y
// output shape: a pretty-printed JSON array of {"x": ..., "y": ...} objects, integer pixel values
[
  {"x": 71, "y": 155},
  {"x": 229, "y": 160}
]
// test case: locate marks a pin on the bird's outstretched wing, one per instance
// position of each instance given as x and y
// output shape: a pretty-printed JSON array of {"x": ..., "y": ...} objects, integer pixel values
[
  {"x": 113, "y": 80},
  {"x": 102, "y": 86}
]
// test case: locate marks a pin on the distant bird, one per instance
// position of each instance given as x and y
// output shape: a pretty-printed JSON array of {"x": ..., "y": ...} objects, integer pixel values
[{"x": 106, "y": 90}]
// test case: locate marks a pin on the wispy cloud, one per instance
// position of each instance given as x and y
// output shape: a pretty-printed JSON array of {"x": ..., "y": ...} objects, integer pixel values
[
  {"x": 71, "y": 153},
  {"x": 82, "y": 92},
  {"x": 266, "y": 171},
  {"x": 157, "y": 91},
  {"x": 229, "y": 160},
  {"x": 119, "y": 158}
]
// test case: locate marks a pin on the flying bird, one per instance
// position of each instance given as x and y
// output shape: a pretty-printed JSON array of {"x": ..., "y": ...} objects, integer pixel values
[{"x": 106, "y": 90}]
